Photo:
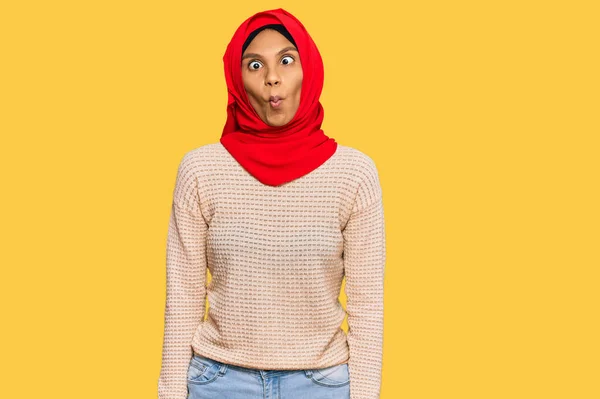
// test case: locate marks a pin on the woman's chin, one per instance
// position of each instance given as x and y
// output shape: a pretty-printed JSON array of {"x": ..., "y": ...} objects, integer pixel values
[{"x": 278, "y": 119}]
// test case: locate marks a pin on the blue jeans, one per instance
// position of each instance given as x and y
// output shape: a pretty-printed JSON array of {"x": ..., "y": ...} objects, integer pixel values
[{"x": 211, "y": 379}]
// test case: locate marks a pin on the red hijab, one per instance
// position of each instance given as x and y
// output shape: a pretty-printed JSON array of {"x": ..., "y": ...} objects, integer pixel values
[{"x": 275, "y": 155}]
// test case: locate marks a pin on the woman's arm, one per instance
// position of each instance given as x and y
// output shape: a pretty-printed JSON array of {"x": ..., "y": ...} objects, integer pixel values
[
  {"x": 186, "y": 283},
  {"x": 364, "y": 263}
]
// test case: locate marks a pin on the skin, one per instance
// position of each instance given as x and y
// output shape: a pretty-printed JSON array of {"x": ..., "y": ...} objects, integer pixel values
[{"x": 266, "y": 73}]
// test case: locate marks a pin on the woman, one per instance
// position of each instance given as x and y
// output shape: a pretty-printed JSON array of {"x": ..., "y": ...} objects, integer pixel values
[{"x": 279, "y": 213}]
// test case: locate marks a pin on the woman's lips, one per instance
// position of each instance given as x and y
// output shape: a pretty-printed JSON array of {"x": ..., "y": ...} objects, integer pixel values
[{"x": 276, "y": 104}]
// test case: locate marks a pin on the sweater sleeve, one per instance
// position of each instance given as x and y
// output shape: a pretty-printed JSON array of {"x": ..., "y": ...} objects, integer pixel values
[
  {"x": 185, "y": 283},
  {"x": 364, "y": 262}
]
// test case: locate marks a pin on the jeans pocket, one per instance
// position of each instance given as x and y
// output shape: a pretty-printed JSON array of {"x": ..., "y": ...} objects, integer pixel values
[
  {"x": 333, "y": 376},
  {"x": 203, "y": 370}
]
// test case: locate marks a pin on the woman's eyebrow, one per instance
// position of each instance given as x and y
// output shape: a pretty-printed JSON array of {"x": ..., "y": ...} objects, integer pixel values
[{"x": 283, "y": 50}]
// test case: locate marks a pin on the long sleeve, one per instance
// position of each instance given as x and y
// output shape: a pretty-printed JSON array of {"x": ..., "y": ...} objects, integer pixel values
[
  {"x": 364, "y": 263},
  {"x": 186, "y": 282}
]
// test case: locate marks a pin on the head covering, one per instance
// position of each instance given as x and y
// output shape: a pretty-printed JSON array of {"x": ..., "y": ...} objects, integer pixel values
[
  {"x": 275, "y": 155},
  {"x": 278, "y": 27}
]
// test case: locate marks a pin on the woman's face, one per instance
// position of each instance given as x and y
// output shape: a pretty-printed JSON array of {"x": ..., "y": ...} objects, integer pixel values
[{"x": 271, "y": 67}]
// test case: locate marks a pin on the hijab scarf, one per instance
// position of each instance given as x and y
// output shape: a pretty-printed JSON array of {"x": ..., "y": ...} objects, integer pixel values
[{"x": 275, "y": 155}]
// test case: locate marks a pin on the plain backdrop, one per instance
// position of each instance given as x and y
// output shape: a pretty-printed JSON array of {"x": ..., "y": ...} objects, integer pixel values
[{"x": 482, "y": 118}]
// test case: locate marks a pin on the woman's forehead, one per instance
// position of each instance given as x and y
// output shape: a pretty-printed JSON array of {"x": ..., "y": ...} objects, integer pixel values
[{"x": 270, "y": 40}]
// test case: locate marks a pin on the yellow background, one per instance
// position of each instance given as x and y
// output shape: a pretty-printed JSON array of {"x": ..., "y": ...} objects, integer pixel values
[{"x": 482, "y": 117}]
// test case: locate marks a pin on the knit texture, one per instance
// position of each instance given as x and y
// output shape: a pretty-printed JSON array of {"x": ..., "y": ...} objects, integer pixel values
[{"x": 277, "y": 256}]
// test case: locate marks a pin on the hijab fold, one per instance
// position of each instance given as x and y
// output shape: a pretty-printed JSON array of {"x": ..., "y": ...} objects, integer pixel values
[{"x": 275, "y": 155}]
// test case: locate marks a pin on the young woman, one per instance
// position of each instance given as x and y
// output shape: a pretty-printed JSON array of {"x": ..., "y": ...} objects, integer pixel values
[{"x": 279, "y": 213}]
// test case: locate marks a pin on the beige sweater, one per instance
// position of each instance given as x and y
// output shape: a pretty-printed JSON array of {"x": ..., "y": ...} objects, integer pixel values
[{"x": 277, "y": 256}]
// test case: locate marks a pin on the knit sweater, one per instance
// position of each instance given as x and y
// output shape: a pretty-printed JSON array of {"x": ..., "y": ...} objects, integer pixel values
[{"x": 277, "y": 256}]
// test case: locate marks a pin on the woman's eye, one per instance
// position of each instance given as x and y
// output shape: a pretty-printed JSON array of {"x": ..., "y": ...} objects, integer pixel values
[
  {"x": 252, "y": 64},
  {"x": 287, "y": 56}
]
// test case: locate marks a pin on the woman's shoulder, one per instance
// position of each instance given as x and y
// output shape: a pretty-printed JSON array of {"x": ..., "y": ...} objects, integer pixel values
[
  {"x": 361, "y": 170},
  {"x": 206, "y": 153},
  {"x": 205, "y": 150},
  {"x": 357, "y": 161},
  {"x": 201, "y": 160}
]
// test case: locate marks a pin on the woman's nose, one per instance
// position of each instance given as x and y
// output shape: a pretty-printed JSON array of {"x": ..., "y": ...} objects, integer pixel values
[{"x": 272, "y": 79}]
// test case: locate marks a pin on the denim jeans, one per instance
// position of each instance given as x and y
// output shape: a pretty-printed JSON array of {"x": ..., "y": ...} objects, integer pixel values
[{"x": 211, "y": 379}]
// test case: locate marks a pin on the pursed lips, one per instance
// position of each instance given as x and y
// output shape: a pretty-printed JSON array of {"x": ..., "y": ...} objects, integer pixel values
[{"x": 275, "y": 101}]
